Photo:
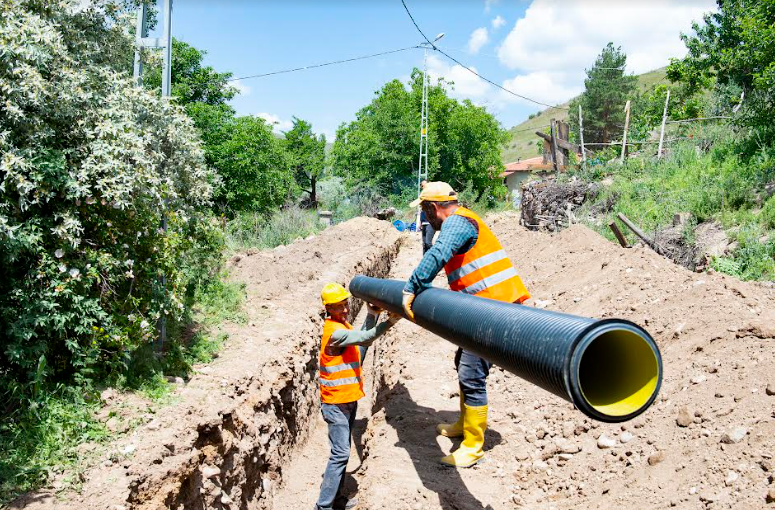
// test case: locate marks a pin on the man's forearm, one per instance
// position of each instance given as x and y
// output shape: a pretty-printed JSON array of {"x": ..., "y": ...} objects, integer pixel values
[{"x": 365, "y": 337}]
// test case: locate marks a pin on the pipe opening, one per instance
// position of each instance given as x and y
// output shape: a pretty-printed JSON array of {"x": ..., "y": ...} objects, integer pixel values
[{"x": 618, "y": 373}]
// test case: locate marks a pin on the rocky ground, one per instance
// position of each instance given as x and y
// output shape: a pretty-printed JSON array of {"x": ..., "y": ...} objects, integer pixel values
[{"x": 246, "y": 433}]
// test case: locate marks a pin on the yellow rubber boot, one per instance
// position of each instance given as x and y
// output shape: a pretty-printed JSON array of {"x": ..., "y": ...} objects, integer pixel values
[
  {"x": 470, "y": 451},
  {"x": 453, "y": 429}
]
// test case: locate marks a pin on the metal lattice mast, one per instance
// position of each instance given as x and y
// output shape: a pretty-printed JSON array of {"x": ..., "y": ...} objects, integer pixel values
[{"x": 422, "y": 167}]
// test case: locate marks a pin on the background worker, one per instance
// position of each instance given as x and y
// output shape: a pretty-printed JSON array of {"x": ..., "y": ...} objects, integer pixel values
[
  {"x": 341, "y": 351},
  {"x": 426, "y": 230},
  {"x": 475, "y": 264}
]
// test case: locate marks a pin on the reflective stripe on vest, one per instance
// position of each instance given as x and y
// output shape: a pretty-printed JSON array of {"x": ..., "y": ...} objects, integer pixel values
[
  {"x": 485, "y": 269},
  {"x": 340, "y": 374}
]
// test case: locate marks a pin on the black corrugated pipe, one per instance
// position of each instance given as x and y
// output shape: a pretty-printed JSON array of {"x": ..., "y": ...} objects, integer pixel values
[{"x": 610, "y": 369}]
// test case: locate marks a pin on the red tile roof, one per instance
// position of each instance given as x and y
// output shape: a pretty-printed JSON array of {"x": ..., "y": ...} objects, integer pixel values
[{"x": 525, "y": 165}]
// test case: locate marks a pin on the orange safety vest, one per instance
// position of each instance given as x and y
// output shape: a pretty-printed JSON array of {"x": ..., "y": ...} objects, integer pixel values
[
  {"x": 485, "y": 270},
  {"x": 340, "y": 375}
]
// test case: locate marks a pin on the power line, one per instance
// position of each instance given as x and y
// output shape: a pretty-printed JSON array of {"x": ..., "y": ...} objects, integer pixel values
[
  {"x": 324, "y": 64},
  {"x": 453, "y": 59}
]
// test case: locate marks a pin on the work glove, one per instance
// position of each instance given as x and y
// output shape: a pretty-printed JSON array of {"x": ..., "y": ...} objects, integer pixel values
[
  {"x": 406, "y": 302},
  {"x": 373, "y": 309}
]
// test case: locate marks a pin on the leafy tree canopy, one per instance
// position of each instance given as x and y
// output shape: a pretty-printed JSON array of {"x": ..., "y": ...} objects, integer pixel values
[
  {"x": 381, "y": 147},
  {"x": 307, "y": 153},
  {"x": 736, "y": 46},
  {"x": 254, "y": 166}
]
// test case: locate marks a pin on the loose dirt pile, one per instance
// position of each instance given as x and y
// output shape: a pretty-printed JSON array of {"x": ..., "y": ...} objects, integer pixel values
[
  {"x": 247, "y": 434},
  {"x": 707, "y": 443}
]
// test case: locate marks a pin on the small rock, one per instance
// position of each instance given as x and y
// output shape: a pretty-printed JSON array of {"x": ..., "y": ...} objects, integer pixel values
[
  {"x": 129, "y": 449},
  {"x": 154, "y": 425},
  {"x": 210, "y": 471},
  {"x": 604, "y": 442},
  {"x": 770, "y": 498},
  {"x": 731, "y": 478},
  {"x": 698, "y": 379},
  {"x": 107, "y": 463},
  {"x": 684, "y": 418},
  {"x": 656, "y": 458},
  {"x": 626, "y": 437},
  {"x": 565, "y": 456},
  {"x": 708, "y": 497},
  {"x": 225, "y": 499},
  {"x": 113, "y": 424},
  {"x": 770, "y": 390},
  {"x": 734, "y": 436},
  {"x": 693, "y": 490},
  {"x": 266, "y": 484},
  {"x": 540, "y": 465}
]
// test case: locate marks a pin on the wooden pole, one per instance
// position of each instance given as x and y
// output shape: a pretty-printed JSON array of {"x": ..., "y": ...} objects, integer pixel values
[
  {"x": 553, "y": 133},
  {"x": 581, "y": 137},
  {"x": 626, "y": 128},
  {"x": 638, "y": 232},
  {"x": 662, "y": 132},
  {"x": 618, "y": 233}
]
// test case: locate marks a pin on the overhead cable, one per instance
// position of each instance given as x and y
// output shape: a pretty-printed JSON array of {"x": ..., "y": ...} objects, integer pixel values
[
  {"x": 453, "y": 59},
  {"x": 324, "y": 64}
]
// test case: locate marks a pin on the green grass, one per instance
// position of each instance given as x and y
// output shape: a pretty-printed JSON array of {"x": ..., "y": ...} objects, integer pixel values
[
  {"x": 523, "y": 138},
  {"x": 711, "y": 186},
  {"x": 250, "y": 230},
  {"x": 42, "y": 441}
]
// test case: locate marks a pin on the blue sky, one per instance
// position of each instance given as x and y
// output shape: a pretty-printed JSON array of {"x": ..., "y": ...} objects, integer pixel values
[{"x": 538, "y": 48}]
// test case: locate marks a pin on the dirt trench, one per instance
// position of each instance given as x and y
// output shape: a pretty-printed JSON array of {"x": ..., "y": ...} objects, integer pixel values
[
  {"x": 224, "y": 442},
  {"x": 248, "y": 427}
]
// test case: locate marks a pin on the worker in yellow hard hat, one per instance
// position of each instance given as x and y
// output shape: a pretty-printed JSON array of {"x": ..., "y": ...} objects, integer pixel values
[
  {"x": 475, "y": 264},
  {"x": 341, "y": 351}
]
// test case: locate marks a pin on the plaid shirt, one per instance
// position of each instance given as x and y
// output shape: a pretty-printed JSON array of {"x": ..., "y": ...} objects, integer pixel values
[{"x": 458, "y": 234}]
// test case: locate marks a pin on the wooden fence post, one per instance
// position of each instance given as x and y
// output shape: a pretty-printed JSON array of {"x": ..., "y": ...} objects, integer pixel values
[
  {"x": 581, "y": 137},
  {"x": 662, "y": 132},
  {"x": 626, "y": 127},
  {"x": 553, "y": 143}
]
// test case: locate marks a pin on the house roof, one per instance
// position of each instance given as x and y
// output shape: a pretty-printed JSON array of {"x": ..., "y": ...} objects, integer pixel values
[{"x": 525, "y": 165}]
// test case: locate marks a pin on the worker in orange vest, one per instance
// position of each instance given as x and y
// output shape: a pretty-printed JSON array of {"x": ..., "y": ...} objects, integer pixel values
[
  {"x": 475, "y": 264},
  {"x": 341, "y": 386}
]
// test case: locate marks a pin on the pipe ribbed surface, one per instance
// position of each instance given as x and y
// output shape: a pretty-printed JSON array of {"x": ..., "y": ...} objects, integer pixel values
[{"x": 610, "y": 369}]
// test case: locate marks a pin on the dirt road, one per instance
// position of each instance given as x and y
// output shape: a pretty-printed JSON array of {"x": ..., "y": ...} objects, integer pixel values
[{"x": 246, "y": 432}]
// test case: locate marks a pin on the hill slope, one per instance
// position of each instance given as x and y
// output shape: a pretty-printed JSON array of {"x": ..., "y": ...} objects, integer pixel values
[{"x": 523, "y": 138}]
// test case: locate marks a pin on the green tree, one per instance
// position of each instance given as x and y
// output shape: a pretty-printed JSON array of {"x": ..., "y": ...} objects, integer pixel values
[
  {"x": 254, "y": 166},
  {"x": 607, "y": 89},
  {"x": 381, "y": 146},
  {"x": 307, "y": 153},
  {"x": 735, "y": 46}
]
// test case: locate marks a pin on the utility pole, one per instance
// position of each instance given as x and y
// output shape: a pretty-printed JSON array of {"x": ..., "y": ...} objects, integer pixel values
[
  {"x": 165, "y": 42},
  {"x": 422, "y": 166}
]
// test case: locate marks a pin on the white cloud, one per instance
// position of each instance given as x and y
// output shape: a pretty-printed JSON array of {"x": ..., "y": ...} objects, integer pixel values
[
  {"x": 466, "y": 85},
  {"x": 278, "y": 124},
  {"x": 498, "y": 22},
  {"x": 479, "y": 38},
  {"x": 242, "y": 89},
  {"x": 648, "y": 33},
  {"x": 541, "y": 86},
  {"x": 488, "y": 4}
]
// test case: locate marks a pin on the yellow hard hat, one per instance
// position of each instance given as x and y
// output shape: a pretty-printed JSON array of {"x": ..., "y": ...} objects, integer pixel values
[
  {"x": 334, "y": 293},
  {"x": 435, "y": 192}
]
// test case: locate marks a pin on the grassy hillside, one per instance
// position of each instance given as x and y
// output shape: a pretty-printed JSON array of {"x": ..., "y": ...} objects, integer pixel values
[{"x": 523, "y": 138}]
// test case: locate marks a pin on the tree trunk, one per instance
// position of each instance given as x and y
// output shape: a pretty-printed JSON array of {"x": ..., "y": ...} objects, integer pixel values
[{"x": 313, "y": 195}]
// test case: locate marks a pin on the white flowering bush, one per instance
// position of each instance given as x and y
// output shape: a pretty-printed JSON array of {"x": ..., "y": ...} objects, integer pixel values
[{"x": 89, "y": 167}]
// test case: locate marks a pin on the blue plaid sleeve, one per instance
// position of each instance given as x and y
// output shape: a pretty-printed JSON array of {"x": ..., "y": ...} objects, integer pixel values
[{"x": 455, "y": 232}]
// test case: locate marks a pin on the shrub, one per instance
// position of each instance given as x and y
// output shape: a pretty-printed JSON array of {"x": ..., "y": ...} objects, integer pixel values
[
  {"x": 91, "y": 166},
  {"x": 252, "y": 230}
]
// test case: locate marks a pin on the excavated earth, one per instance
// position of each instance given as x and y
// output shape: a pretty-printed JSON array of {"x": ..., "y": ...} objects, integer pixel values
[{"x": 246, "y": 433}]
